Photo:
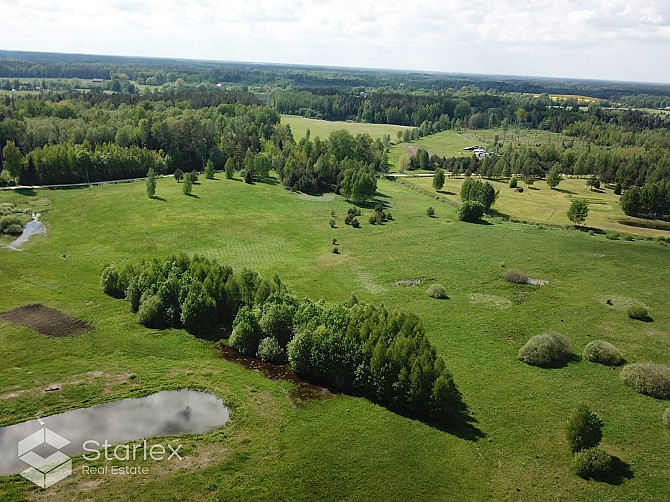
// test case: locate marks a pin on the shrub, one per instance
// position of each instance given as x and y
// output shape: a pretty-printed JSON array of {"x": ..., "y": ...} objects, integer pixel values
[
  {"x": 8, "y": 221},
  {"x": 336, "y": 250},
  {"x": 197, "y": 310},
  {"x": 613, "y": 236},
  {"x": 638, "y": 312},
  {"x": 546, "y": 350},
  {"x": 151, "y": 312},
  {"x": 110, "y": 282},
  {"x": 270, "y": 351},
  {"x": 276, "y": 321},
  {"x": 187, "y": 186},
  {"x": 332, "y": 224},
  {"x": 209, "y": 170},
  {"x": 471, "y": 211},
  {"x": 178, "y": 175},
  {"x": 600, "y": 351},
  {"x": 666, "y": 417},
  {"x": 372, "y": 220},
  {"x": 652, "y": 379},
  {"x": 516, "y": 276},
  {"x": 437, "y": 291},
  {"x": 246, "y": 332},
  {"x": 592, "y": 463},
  {"x": 14, "y": 229},
  {"x": 513, "y": 182},
  {"x": 355, "y": 223},
  {"x": 584, "y": 429},
  {"x": 430, "y": 211}
]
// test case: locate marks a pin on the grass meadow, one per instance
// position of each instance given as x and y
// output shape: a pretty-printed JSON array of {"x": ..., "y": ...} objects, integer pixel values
[
  {"x": 343, "y": 447},
  {"x": 323, "y": 128}
]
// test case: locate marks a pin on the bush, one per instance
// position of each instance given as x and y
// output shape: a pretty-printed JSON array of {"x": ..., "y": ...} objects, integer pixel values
[
  {"x": 14, "y": 229},
  {"x": 516, "y": 276},
  {"x": 9, "y": 221},
  {"x": 513, "y": 182},
  {"x": 652, "y": 379},
  {"x": 332, "y": 224},
  {"x": 336, "y": 250},
  {"x": 430, "y": 211},
  {"x": 471, "y": 211},
  {"x": 599, "y": 351},
  {"x": 584, "y": 429},
  {"x": 198, "y": 310},
  {"x": 151, "y": 312},
  {"x": 638, "y": 312},
  {"x": 270, "y": 351},
  {"x": 437, "y": 291},
  {"x": 592, "y": 463},
  {"x": 355, "y": 223},
  {"x": 178, "y": 175},
  {"x": 546, "y": 350},
  {"x": 613, "y": 236},
  {"x": 110, "y": 282},
  {"x": 666, "y": 417},
  {"x": 246, "y": 332}
]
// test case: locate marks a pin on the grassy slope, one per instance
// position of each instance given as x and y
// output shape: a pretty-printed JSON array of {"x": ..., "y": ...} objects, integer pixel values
[
  {"x": 323, "y": 128},
  {"x": 344, "y": 448},
  {"x": 448, "y": 143},
  {"x": 542, "y": 204}
]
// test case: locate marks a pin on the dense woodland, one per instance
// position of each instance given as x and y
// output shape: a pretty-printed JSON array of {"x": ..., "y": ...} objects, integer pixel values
[{"x": 182, "y": 119}]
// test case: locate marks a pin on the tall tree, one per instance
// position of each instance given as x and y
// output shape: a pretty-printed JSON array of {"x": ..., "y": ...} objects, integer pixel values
[
  {"x": 187, "y": 186},
  {"x": 151, "y": 183},
  {"x": 554, "y": 176},
  {"x": 13, "y": 159},
  {"x": 438, "y": 179},
  {"x": 209, "y": 170},
  {"x": 230, "y": 168}
]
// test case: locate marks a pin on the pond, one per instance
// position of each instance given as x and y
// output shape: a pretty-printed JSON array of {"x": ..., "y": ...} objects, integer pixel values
[
  {"x": 162, "y": 414},
  {"x": 32, "y": 227}
]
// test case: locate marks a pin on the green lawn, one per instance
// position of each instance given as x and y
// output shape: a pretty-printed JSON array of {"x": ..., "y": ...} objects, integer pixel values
[
  {"x": 542, "y": 204},
  {"x": 343, "y": 447},
  {"x": 323, "y": 128},
  {"x": 449, "y": 143}
]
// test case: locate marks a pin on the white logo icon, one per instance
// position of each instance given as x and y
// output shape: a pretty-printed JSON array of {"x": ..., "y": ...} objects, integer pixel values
[{"x": 45, "y": 471}]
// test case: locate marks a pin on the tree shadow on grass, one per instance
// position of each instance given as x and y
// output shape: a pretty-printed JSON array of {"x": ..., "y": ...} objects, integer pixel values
[
  {"x": 446, "y": 192},
  {"x": 268, "y": 181},
  {"x": 618, "y": 473},
  {"x": 562, "y": 363},
  {"x": 563, "y": 190},
  {"x": 461, "y": 424},
  {"x": 193, "y": 195},
  {"x": 158, "y": 197},
  {"x": 29, "y": 192}
]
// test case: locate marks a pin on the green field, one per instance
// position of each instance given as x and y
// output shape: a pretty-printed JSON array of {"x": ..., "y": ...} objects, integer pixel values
[
  {"x": 449, "y": 143},
  {"x": 323, "y": 128},
  {"x": 542, "y": 204},
  {"x": 343, "y": 447}
]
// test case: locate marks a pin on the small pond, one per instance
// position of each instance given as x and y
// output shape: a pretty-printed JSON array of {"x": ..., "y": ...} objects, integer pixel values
[
  {"x": 162, "y": 414},
  {"x": 32, "y": 227}
]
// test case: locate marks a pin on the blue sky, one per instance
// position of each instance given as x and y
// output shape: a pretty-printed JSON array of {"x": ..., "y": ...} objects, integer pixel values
[{"x": 604, "y": 39}]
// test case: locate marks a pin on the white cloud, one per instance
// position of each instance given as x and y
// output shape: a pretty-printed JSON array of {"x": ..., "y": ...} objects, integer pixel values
[{"x": 588, "y": 38}]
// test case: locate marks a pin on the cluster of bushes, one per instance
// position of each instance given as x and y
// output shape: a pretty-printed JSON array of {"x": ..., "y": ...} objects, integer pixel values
[
  {"x": 195, "y": 293},
  {"x": 11, "y": 224},
  {"x": 350, "y": 218},
  {"x": 471, "y": 211},
  {"x": 652, "y": 379},
  {"x": 546, "y": 350},
  {"x": 584, "y": 433},
  {"x": 380, "y": 216}
]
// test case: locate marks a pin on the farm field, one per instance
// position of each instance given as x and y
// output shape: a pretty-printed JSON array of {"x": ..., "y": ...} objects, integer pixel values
[
  {"x": 341, "y": 447},
  {"x": 541, "y": 204},
  {"x": 323, "y": 128}
]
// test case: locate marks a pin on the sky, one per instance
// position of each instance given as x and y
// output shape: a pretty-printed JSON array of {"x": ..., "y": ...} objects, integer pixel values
[{"x": 601, "y": 39}]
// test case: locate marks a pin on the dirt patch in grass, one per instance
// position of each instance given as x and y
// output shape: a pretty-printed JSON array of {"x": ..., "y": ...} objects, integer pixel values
[
  {"x": 412, "y": 149},
  {"x": 620, "y": 303},
  {"x": 493, "y": 301},
  {"x": 407, "y": 283},
  {"x": 45, "y": 320},
  {"x": 303, "y": 390}
]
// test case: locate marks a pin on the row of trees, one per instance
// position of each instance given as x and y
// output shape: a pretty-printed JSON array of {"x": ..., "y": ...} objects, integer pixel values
[
  {"x": 352, "y": 347},
  {"x": 651, "y": 200}
]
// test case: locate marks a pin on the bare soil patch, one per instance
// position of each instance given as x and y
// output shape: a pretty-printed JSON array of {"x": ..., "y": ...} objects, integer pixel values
[
  {"x": 45, "y": 320},
  {"x": 412, "y": 149}
]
